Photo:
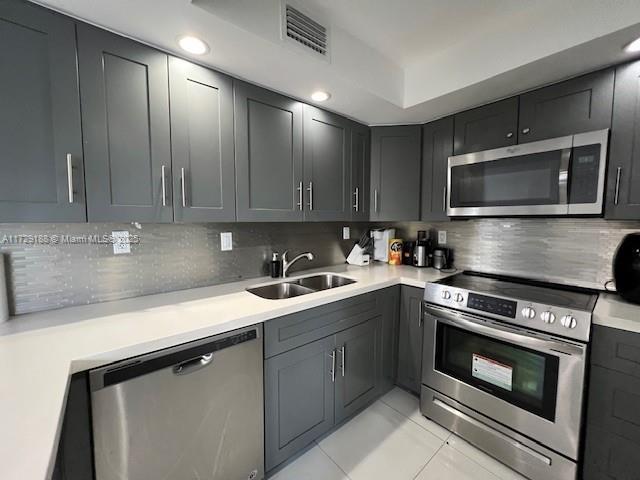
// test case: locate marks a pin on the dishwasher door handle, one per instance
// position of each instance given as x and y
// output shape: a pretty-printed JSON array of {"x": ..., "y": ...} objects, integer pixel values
[{"x": 193, "y": 364}]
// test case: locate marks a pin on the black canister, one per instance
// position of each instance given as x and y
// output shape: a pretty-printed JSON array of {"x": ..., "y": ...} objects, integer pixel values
[{"x": 626, "y": 268}]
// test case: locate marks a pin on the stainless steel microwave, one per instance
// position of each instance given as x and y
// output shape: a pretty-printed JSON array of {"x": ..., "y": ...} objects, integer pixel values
[{"x": 560, "y": 176}]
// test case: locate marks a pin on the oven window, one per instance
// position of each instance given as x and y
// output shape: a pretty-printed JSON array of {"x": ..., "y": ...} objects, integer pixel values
[
  {"x": 522, "y": 377},
  {"x": 524, "y": 180}
]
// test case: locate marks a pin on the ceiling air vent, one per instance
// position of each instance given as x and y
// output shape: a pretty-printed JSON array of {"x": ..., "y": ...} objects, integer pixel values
[{"x": 305, "y": 31}]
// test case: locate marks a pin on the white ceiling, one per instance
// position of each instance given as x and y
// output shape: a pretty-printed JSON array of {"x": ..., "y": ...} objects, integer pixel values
[{"x": 399, "y": 61}]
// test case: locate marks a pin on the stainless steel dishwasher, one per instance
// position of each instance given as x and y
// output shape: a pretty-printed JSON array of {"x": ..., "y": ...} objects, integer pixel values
[{"x": 191, "y": 412}]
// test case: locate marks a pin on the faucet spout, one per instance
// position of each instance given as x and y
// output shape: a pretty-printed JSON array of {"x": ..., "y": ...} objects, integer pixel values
[{"x": 286, "y": 264}]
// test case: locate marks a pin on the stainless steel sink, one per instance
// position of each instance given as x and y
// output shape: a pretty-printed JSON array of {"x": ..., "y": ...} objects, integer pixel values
[{"x": 300, "y": 286}]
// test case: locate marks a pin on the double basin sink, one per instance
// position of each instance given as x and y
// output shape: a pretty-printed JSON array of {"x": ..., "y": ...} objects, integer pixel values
[{"x": 300, "y": 286}]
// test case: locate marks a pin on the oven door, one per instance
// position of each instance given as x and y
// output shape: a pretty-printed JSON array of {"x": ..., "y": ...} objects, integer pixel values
[{"x": 530, "y": 382}]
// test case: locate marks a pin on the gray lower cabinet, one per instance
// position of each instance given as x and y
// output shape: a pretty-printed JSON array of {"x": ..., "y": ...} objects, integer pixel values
[
  {"x": 582, "y": 104},
  {"x": 623, "y": 184},
  {"x": 268, "y": 130},
  {"x": 483, "y": 128},
  {"x": 326, "y": 166},
  {"x": 410, "y": 338},
  {"x": 437, "y": 147},
  {"x": 390, "y": 309},
  {"x": 125, "y": 120},
  {"x": 360, "y": 172},
  {"x": 612, "y": 432},
  {"x": 201, "y": 143},
  {"x": 41, "y": 157},
  {"x": 395, "y": 173}
]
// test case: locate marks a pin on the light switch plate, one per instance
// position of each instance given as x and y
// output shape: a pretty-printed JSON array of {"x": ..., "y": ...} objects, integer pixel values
[
  {"x": 442, "y": 237},
  {"x": 121, "y": 242},
  {"x": 346, "y": 233},
  {"x": 226, "y": 241}
]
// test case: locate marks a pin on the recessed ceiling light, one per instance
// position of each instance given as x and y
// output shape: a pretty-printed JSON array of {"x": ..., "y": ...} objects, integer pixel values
[
  {"x": 633, "y": 46},
  {"x": 320, "y": 96},
  {"x": 193, "y": 45}
]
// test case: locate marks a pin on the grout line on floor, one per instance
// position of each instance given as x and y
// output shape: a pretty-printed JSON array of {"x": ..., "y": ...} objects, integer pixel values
[
  {"x": 429, "y": 461},
  {"x": 416, "y": 423},
  {"x": 332, "y": 460}
]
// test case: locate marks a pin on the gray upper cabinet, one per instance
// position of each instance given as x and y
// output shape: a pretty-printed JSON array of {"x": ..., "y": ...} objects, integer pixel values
[
  {"x": 483, "y": 128},
  {"x": 40, "y": 134},
  {"x": 360, "y": 172},
  {"x": 201, "y": 143},
  {"x": 358, "y": 367},
  {"x": 623, "y": 188},
  {"x": 410, "y": 338},
  {"x": 327, "y": 166},
  {"x": 268, "y": 130},
  {"x": 437, "y": 147},
  {"x": 299, "y": 399},
  {"x": 125, "y": 119},
  {"x": 581, "y": 104},
  {"x": 395, "y": 173}
]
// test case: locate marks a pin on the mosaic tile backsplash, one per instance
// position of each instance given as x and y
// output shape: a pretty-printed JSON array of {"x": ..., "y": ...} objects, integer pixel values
[
  {"x": 175, "y": 257},
  {"x": 569, "y": 251}
]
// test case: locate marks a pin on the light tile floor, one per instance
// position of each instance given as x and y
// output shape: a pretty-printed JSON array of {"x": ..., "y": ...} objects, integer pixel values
[{"x": 392, "y": 440}]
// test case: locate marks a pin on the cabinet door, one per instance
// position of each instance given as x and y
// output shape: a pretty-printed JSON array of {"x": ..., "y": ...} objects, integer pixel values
[
  {"x": 39, "y": 117},
  {"x": 483, "y": 128},
  {"x": 358, "y": 367},
  {"x": 269, "y": 179},
  {"x": 327, "y": 165},
  {"x": 578, "y": 105},
  {"x": 437, "y": 147},
  {"x": 410, "y": 338},
  {"x": 360, "y": 172},
  {"x": 299, "y": 395},
  {"x": 623, "y": 184},
  {"x": 201, "y": 143},
  {"x": 389, "y": 299},
  {"x": 395, "y": 173},
  {"x": 125, "y": 120}
]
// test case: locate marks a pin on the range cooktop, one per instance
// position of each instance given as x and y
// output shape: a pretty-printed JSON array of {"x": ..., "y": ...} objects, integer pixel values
[{"x": 556, "y": 309}]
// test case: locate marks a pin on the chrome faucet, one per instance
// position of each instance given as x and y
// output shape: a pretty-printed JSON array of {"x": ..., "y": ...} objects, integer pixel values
[{"x": 286, "y": 264}]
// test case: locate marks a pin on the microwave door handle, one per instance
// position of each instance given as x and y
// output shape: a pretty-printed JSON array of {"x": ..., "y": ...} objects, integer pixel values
[{"x": 563, "y": 176}]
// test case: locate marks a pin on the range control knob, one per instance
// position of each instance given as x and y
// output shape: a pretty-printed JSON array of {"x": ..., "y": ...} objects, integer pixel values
[
  {"x": 458, "y": 297},
  {"x": 446, "y": 294},
  {"x": 548, "y": 317},
  {"x": 568, "y": 321},
  {"x": 528, "y": 312}
]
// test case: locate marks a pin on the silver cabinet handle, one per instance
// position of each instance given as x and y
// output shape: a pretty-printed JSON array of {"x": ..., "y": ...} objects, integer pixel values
[
  {"x": 333, "y": 365},
  {"x": 444, "y": 199},
  {"x": 525, "y": 131},
  {"x": 310, "y": 190},
  {"x": 510, "y": 135},
  {"x": 193, "y": 364},
  {"x": 299, "y": 196},
  {"x": 616, "y": 197},
  {"x": 342, "y": 358},
  {"x": 356, "y": 193},
  {"x": 421, "y": 317},
  {"x": 183, "y": 188},
  {"x": 375, "y": 200},
  {"x": 70, "y": 177},
  {"x": 164, "y": 186}
]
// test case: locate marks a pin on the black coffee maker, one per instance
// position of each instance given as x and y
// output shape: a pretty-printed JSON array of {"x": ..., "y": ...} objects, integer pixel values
[{"x": 626, "y": 268}]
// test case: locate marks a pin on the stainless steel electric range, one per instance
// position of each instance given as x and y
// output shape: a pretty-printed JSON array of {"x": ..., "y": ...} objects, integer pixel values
[{"x": 504, "y": 364}]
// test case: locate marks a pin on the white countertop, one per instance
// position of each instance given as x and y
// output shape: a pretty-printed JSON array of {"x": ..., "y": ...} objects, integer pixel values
[
  {"x": 612, "y": 311},
  {"x": 39, "y": 352}
]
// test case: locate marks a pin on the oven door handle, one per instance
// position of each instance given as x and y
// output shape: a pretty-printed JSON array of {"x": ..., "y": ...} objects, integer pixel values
[{"x": 504, "y": 332}]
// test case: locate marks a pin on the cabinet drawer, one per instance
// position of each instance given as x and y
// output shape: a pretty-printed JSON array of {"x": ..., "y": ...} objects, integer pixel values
[
  {"x": 291, "y": 331},
  {"x": 609, "y": 457},
  {"x": 616, "y": 349},
  {"x": 613, "y": 403}
]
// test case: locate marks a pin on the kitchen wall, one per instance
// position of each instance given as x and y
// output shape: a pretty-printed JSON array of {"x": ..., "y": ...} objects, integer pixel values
[
  {"x": 169, "y": 257},
  {"x": 572, "y": 251}
]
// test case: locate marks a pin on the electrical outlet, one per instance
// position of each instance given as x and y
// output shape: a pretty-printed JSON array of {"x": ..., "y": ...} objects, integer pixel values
[
  {"x": 226, "y": 241},
  {"x": 121, "y": 242},
  {"x": 442, "y": 237},
  {"x": 346, "y": 233}
]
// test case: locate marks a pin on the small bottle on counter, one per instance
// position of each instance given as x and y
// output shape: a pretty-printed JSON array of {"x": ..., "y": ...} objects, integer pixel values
[{"x": 276, "y": 266}]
